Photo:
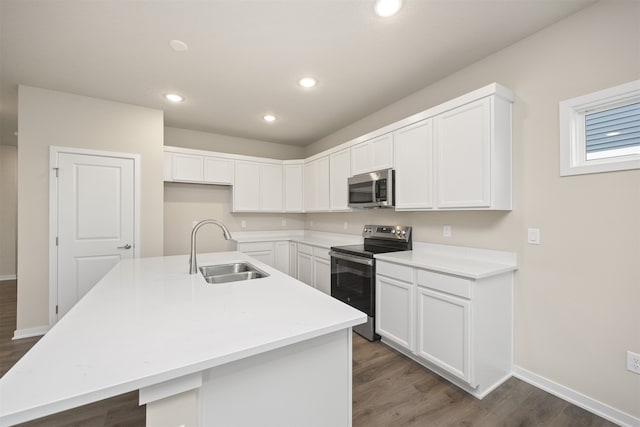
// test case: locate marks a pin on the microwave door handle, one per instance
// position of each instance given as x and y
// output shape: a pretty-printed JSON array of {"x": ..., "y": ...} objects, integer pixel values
[{"x": 374, "y": 191}]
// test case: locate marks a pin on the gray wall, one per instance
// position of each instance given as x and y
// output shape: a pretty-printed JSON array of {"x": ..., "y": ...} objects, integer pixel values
[{"x": 55, "y": 118}]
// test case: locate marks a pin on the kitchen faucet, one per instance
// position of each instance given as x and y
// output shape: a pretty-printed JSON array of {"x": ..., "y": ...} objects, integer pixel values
[{"x": 193, "y": 264}]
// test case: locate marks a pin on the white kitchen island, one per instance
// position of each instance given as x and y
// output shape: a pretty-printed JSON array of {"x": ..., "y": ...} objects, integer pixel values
[{"x": 269, "y": 351}]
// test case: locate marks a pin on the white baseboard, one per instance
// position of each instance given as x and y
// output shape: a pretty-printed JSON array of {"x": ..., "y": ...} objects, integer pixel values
[
  {"x": 7, "y": 277},
  {"x": 585, "y": 402},
  {"x": 37, "y": 331}
]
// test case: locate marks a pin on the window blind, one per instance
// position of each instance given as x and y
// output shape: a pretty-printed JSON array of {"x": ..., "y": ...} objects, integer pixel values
[{"x": 613, "y": 129}]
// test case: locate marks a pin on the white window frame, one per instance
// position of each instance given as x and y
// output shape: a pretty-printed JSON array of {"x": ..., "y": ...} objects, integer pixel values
[{"x": 573, "y": 159}]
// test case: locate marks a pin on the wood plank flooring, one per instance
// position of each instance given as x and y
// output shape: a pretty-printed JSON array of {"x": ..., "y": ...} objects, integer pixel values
[{"x": 389, "y": 389}]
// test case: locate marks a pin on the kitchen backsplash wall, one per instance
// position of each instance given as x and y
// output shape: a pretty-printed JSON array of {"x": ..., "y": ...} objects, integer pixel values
[{"x": 186, "y": 203}]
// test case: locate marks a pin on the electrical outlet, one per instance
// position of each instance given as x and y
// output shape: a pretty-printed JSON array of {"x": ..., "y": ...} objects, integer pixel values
[
  {"x": 243, "y": 224},
  {"x": 345, "y": 225},
  {"x": 446, "y": 231},
  {"x": 633, "y": 362},
  {"x": 284, "y": 222}
]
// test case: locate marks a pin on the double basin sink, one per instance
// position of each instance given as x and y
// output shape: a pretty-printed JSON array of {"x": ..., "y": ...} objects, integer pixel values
[{"x": 234, "y": 272}]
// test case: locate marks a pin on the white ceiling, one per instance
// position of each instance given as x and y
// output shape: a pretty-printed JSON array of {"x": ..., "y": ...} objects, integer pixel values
[{"x": 245, "y": 56}]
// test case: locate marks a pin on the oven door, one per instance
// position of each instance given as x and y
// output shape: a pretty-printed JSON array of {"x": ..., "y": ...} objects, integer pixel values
[{"x": 353, "y": 281}]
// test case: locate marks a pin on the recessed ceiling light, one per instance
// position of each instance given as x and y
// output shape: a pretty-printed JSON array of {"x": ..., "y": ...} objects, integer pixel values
[
  {"x": 173, "y": 97},
  {"x": 269, "y": 118},
  {"x": 386, "y": 8},
  {"x": 307, "y": 82},
  {"x": 178, "y": 45}
]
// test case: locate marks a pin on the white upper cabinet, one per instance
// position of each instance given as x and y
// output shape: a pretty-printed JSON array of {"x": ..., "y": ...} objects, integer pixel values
[
  {"x": 458, "y": 159},
  {"x": 182, "y": 166},
  {"x": 454, "y": 156},
  {"x": 187, "y": 167},
  {"x": 340, "y": 168},
  {"x": 463, "y": 151},
  {"x": 413, "y": 147},
  {"x": 258, "y": 187},
  {"x": 316, "y": 185},
  {"x": 372, "y": 155},
  {"x": 293, "y": 187},
  {"x": 218, "y": 170},
  {"x": 271, "y": 188},
  {"x": 246, "y": 191}
]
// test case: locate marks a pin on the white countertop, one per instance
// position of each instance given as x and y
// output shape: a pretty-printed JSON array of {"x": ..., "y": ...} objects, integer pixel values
[
  {"x": 148, "y": 321},
  {"x": 460, "y": 261}
]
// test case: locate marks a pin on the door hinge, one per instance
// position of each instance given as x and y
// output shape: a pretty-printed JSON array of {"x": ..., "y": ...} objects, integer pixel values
[
  {"x": 56, "y": 309},
  {"x": 57, "y": 241},
  {"x": 57, "y": 171}
]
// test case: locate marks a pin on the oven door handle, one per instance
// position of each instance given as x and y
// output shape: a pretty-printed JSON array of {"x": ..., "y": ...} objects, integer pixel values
[{"x": 351, "y": 258}]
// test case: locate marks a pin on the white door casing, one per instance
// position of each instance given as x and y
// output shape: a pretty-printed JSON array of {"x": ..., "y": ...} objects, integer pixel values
[{"x": 94, "y": 220}]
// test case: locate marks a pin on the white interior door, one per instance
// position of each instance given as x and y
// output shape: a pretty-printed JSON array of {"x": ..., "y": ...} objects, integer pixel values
[{"x": 96, "y": 217}]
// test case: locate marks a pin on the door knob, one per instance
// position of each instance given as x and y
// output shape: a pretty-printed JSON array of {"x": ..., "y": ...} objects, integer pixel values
[{"x": 127, "y": 246}]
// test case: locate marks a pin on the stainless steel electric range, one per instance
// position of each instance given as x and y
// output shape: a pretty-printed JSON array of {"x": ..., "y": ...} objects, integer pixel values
[{"x": 353, "y": 270}]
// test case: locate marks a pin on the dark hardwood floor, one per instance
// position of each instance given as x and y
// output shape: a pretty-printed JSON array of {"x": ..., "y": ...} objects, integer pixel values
[{"x": 389, "y": 389}]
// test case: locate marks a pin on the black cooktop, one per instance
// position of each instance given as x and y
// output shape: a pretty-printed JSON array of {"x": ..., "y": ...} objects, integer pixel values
[{"x": 379, "y": 239}]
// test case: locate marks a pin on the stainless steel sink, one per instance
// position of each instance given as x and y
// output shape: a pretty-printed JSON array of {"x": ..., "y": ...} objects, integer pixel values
[{"x": 235, "y": 272}]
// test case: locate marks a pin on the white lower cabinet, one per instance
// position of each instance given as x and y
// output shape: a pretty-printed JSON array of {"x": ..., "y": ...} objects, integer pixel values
[
  {"x": 314, "y": 267},
  {"x": 275, "y": 254},
  {"x": 322, "y": 270},
  {"x": 394, "y": 311},
  {"x": 460, "y": 328},
  {"x": 446, "y": 345},
  {"x": 281, "y": 257},
  {"x": 305, "y": 264}
]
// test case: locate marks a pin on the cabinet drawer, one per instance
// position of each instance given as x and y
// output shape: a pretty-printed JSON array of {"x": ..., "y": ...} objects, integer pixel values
[
  {"x": 322, "y": 253},
  {"x": 443, "y": 283},
  {"x": 305, "y": 249},
  {"x": 395, "y": 271},
  {"x": 255, "y": 246}
]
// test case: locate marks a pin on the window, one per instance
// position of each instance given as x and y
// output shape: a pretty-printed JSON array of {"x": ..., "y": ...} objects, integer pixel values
[{"x": 600, "y": 132}]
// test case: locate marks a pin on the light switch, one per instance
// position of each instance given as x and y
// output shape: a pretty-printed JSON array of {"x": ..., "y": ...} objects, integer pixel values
[
  {"x": 446, "y": 231},
  {"x": 533, "y": 236}
]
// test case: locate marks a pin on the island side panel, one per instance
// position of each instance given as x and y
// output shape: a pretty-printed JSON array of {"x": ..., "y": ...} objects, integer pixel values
[{"x": 308, "y": 383}]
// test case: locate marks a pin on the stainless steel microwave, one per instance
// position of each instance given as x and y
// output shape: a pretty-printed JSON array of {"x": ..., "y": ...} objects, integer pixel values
[{"x": 372, "y": 190}]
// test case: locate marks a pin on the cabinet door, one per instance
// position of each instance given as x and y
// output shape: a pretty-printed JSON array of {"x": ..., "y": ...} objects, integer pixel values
[
  {"x": 218, "y": 171},
  {"x": 322, "y": 275},
  {"x": 339, "y": 168},
  {"x": 246, "y": 190},
  {"x": 270, "y": 188},
  {"x": 443, "y": 331},
  {"x": 382, "y": 152},
  {"x": 263, "y": 256},
  {"x": 462, "y": 150},
  {"x": 293, "y": 188},
  {"x": 322, "y": 184},
  {"x": 414, "y": 166},
  {"x": 310, "y": 199},
  {"x": 187, "y": 167},
  {"x": 360, "y": 158},
  {"x": 293, "y": 258},
  {"x": 394, "y": 311},
  {"x": 305, "y": 268},
  {"x": 281, "y": 257}
]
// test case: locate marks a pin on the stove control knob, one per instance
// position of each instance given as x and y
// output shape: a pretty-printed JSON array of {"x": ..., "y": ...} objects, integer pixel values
[
  {"x": 393, "y": 231},
  {"x": 404, "y": 232}
]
